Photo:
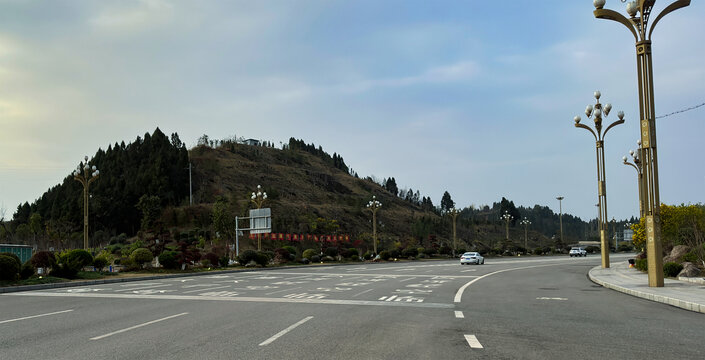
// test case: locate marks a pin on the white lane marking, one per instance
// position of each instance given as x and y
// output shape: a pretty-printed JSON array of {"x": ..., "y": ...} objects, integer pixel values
[
  {"x": 552, "y": 298},
  {"x": 373, "y": 275},
  {"x": 469, "y": 270},
  {"x": 201, "y": 289},
  {"x": 137, "y": 326},
  {"x": 459, "y": 294},
  {"x": 278, "y": 291},
  {"x": 473, "y": 342},
  {"x": 285, "y": 331},
  {"x": 139, "y": 284},
  {"x": 35, "y": 316},
  {"x": 407, "y": 279},
  {"x": 143, "y": 287},
  {"x": 240, "y": 299},
  {"x": 366, "y": 291},
  {"x": 459, "y": 315}
]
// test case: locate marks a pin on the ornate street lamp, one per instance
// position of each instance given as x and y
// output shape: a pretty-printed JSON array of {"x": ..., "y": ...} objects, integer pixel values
[
  {"x": 596, "y": 113},
  {"x": 258, "y": 199},
  {"x": 639, "y": 12},
  {"x": 560, "y": 213},
  {"x": 636, "y": 164},
  {"x": 507, "y": 218},
  {"x": 374, "y": 205},
  {"x": 454, "y": 214},
  {"x": 85, "y": 176},
  {"x": 526, "y": 224}
]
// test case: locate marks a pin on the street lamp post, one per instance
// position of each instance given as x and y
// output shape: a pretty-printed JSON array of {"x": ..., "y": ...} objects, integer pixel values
[
  {"x": 560, "y": 214},
  {"x": 374, "y": 205},
  {"x": 258, "y": 199},
  {"x": 454, "y": 214},
  {"x": 636, "y": 164},
  {"x": 639, "y": 12},
  {"x": 507, "y": 218},
  {"x": 85, "y": 176},
  {"x": 596, "y": 113},
  {"x": 526, "y": 224}
]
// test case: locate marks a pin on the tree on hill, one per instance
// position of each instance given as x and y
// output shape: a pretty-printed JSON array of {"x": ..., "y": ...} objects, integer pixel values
[{"x": 446, "y": 202}]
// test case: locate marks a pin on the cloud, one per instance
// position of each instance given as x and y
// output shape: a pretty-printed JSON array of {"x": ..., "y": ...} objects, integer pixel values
[{"x": 134, "y": 17}]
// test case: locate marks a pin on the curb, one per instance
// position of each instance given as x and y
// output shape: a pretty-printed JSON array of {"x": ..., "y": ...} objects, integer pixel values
[{"x": 686, "y": 305}]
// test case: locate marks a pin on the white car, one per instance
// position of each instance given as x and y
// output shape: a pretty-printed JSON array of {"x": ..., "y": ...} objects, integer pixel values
[
  {"x": 577, "y": 252},
  {"x": 472, "y": 258}
]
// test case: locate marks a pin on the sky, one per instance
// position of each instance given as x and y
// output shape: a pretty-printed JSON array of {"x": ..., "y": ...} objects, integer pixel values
[{"x": 476, "y": 98}]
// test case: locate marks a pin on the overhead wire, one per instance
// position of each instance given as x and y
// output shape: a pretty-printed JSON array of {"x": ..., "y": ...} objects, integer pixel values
[{"x": 681, "y": 111}]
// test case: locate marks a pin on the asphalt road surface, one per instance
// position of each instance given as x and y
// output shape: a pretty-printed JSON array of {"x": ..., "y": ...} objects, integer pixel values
[{"x": 517, "y": 308}]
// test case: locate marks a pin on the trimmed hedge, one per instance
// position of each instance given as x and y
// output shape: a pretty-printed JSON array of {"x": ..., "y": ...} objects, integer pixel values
[
  {"x": 9, "y": 268},
  {"x": 672, "y": 269}
]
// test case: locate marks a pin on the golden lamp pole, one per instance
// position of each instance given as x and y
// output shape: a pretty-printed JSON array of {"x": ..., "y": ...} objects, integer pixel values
[
  {"x": 596, "y": 113},
  {"x": 85, "y": 176},
  {"x": 374, "y": 205},
  {"x": 560, "y": 214},
  {"x": 636, "y": 164},
  {"x": 454, "y": 215},
  {"x": 639, "y": 12},
  {"x": 258, "y": 199}
]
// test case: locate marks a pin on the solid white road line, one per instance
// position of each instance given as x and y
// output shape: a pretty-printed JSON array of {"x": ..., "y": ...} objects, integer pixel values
[
  {"x": 459, "y": 294},
  {"x": 283, "y": 332},
  {"x": 375, "y": 275},
  {"x": 142, "y": 288},
  {"x": 137, "y": 326},
  {"x": 35, "y": 316},
  {"x": 366, "y": 291},
  {"x": 459, "y": 315},
  {"x": 472, "y": 341}
]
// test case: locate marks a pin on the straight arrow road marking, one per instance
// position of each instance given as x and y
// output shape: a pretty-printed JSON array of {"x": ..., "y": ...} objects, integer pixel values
[
  {"x": 137, "y": 326},
  {"x": 473, "y": 342},
  {"x": 284, "y": 332}
]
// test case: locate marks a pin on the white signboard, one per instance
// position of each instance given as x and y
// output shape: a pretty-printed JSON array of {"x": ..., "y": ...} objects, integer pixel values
[{"x": 260, "y": 221}]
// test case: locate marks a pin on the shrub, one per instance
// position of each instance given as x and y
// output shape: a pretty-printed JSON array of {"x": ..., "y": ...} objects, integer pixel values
[
  {"x": 309, "y": 253},
  {"x": 247, "y": 256},
  {"x": 331, "y": 251},
  {"x": 367, "y": 255},
  {"x": 168, "y": 260},
  {"x": 27, "y": 270},
  {"x": 99, "y": 262},
  {"x": 592, "y": 249},
  {"x": 262, "y": 258},
  {"x": 290, "y": 249},
  {"x": 691, "y": 257},
  {"x": 624, "y": 248},
  {"x": 421, "y": 250},
  {"x": 394, "y": 253},
  {"x": 672, "y": 269},
  {"x": 315, "y": 258},
  {"x": 211, "y": 258},
  {"x": 141, "y": 256},
  {"x": 538, "y": 251},
  {"x": 410, "y": 252},
  {"x": 641, "y": 265},
  {"x": 444, "y": 250},
  {"x": 430, "y": 251},
  {"x": 281, "y": 255},
  {"x": 15, "y": 257},
  {"x": 9, "y": 269},
  {"x": 384, "y": 255},
  {"x": 353, "y": 252},
  {"x": 43, "y": 259},
  {"x": 422, "y": 256},
  {"x": 83, "y": 257},
  {"x": 461, "y": 251}
]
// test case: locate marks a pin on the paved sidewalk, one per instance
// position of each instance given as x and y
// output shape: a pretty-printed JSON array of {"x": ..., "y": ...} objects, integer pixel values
[{"x": 689, "y": 295}]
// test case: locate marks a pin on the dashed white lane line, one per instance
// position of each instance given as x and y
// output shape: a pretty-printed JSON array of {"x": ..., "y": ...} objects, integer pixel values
[
  {"x": 459, "y": 315},
  {"x": 285, "y": 331},
  {"x": 407, "y": 279},
  {"x": 35, "y": 316},
  {"x": 366, "y": 291},
  {"x": 473, "y": 342},
  {"x": 137, "y": 326}
]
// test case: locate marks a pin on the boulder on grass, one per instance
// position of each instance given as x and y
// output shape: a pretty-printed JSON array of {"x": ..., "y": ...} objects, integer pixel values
[
  {"x": 676, "y": 254},
  {"x": 689, "y": 270}
]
